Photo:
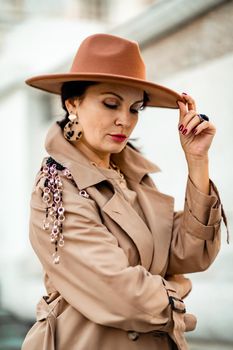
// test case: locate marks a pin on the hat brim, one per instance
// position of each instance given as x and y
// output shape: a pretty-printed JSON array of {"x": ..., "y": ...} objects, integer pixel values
[{"x": 159, "y": 96}]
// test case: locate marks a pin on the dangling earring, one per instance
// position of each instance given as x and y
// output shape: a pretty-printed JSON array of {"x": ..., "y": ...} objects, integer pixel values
[{"x": 73, "y": 130}]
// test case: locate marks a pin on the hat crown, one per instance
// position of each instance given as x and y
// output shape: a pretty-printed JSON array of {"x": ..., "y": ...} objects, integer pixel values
[
  {"x": 108, "y": 58},
  {"x": 108, "y": 54}
]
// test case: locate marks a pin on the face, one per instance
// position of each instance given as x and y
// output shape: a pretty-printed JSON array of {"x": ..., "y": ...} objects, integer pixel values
[{"x": 108, "y": 114}]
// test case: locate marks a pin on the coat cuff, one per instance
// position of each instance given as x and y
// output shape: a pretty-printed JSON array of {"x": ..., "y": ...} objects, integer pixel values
[
  {"x": 205, "y": 208},
  {"x": 174, "y": 300},
  {"x": 202, "y": 212}
]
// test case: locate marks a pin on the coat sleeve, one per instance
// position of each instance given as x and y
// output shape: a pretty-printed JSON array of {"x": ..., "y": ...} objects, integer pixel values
[
  {"x": 196, "y": 231},
  {"x": 94, "y": 275}
]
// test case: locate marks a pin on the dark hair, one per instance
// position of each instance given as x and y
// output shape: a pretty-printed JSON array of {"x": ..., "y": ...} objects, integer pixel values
[{"x": 73, "y": 89}]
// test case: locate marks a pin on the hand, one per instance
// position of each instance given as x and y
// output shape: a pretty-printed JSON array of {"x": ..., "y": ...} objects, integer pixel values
[
  {"x": 195, "y": 136},
  {"x": 181, "y": 284},
  {"x": 190, "y": 322}
]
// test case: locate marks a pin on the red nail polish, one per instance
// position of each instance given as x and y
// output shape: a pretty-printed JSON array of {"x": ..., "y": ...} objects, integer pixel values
[
  {"x": 184, "y": 132},
  {"x": 181, "y": 127}
]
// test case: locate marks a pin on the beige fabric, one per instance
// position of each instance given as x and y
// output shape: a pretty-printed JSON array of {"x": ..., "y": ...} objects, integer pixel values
[
  {"x": 116, "y": 270},
  {"x": 123, "y": 187}
]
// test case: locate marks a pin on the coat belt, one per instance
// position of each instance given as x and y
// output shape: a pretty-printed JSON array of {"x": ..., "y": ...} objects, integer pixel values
[{"x": 49, "y": 312}]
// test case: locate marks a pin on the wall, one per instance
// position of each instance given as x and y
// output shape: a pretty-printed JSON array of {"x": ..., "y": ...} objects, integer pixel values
[
  {"x": 205, "y": 38},
  {"x": 211, "y": 85}
]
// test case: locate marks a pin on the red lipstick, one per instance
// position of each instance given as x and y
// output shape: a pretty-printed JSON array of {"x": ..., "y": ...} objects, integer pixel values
[{"x": 118, "y": 137}]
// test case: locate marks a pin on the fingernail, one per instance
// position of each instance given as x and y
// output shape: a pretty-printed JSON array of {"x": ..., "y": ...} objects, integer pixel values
[
  {"x": 184, "y": 93},
  {"x": 181, "y": 127},
  {"x": 184, "y": 132},
  {"x": 194, "y": 131}
]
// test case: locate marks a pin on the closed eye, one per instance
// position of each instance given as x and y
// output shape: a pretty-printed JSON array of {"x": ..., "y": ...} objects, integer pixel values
[
  {"x": 110, "y": 106},
  {"x": 132, "y": 110},
  {"x": 137, "y": 110}
]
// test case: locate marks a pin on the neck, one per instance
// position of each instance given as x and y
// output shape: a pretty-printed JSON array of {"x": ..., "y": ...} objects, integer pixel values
[{"x": 100, "y": 159}]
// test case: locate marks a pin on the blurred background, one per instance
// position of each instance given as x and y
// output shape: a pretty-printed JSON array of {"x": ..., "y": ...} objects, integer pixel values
[{"x": 188, "y": 46}]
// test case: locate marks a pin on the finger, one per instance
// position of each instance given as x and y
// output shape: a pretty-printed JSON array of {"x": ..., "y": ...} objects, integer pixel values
[
  {"x": 190, "y": 101},
  {"x": 189, "y": 116},
  {"x": 202, "y": 126},
  {"x": 192, "y": 122},
  {"x": 186, "y": 119},
  {"x": 183, "y": 110}
]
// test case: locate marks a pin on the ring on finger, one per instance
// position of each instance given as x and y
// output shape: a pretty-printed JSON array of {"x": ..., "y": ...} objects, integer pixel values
[{"x": 203, "y": 117}]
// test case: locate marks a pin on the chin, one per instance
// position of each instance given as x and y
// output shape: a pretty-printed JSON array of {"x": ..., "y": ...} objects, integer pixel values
[
  {"x": 117, "y": 149},
  {"x": 112, "y": 147}
]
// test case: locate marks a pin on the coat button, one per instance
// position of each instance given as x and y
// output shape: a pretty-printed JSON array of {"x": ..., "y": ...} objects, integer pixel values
[{"x": 132, "y": 335}]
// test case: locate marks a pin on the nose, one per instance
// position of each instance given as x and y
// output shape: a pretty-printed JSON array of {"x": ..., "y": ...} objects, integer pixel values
[{"x": 124, "y": 118}]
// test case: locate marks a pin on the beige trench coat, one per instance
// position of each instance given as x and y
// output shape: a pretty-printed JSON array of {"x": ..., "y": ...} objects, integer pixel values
[{"x": 111, "y": 289}]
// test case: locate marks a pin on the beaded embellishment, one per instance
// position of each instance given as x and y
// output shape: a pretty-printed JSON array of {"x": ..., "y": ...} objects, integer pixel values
[{"x": 52, "y": 196}]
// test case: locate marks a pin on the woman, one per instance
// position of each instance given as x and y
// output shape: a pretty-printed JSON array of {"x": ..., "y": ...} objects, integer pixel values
[{"x": 113, "y": 269}]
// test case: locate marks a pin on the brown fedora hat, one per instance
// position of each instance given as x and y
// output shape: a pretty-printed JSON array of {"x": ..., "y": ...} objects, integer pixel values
[{"x": 108, "y": 58}]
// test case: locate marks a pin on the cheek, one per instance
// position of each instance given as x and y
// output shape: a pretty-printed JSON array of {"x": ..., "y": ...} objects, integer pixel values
[
  {"x": 95, "y": 128},
  {"x": 134, "y": 122},
  {"x": 102, "y": 123}
]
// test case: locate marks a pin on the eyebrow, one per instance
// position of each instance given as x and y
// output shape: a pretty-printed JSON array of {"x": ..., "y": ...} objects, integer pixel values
[{"x": 120, "y": 97}]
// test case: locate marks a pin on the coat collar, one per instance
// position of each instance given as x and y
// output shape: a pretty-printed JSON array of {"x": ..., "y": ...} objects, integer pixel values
[{"x": 132, "y": 164}]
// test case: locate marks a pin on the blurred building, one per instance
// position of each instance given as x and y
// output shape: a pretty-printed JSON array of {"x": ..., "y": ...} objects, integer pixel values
[{"x": 187, "y": 45}]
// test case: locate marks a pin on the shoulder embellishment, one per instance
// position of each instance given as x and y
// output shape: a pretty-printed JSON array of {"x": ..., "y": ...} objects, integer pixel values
[{"x": 52, "y": 196}]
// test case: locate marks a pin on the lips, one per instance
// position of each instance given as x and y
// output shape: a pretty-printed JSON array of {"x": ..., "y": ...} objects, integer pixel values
[{"x": 118, "y": 137}]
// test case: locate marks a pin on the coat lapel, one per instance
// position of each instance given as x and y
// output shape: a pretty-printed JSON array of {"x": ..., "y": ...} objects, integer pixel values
[
  {"x": 122, "y": 213},
  {"x": 134, "y": 166},
  {"x": 158, "y": 210}
]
